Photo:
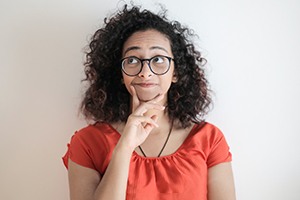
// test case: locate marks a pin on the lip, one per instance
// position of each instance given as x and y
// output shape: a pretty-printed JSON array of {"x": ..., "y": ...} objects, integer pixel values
[{"x": 145, "y": 85}]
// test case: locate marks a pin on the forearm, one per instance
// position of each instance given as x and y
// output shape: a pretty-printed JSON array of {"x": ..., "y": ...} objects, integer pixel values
[{"x": 113, "y": 184}]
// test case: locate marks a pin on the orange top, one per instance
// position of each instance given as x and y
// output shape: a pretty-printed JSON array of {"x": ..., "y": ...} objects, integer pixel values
[{"x": 181, "y": 175}]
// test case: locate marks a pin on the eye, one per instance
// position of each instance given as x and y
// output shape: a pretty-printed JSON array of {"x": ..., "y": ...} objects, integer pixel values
[
  {"x": 158, "y": 59},
  {"x": 131, "y": 60}
]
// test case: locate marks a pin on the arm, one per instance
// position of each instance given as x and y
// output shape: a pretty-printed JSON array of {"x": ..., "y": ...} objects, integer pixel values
[
  {"x": 87, "y": 184},
  {"x": 220, "y": 182}
]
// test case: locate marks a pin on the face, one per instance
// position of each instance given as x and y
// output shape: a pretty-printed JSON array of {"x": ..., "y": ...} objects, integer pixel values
[{"x": 145, "y": 45}]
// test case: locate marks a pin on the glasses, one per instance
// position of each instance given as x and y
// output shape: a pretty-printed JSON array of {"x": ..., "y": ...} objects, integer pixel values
[{"x": 158, "y": 65}]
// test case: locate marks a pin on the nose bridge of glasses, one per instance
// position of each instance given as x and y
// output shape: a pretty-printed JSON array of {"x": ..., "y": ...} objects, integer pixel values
[
  {"x": 147, "y": 61},
  {"x": 148, "y": 64}
]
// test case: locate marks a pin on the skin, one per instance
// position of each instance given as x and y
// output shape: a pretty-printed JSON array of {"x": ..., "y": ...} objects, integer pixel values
[
  {"x": 143, "y": 45},
  {"x": 147, "y": 125}
]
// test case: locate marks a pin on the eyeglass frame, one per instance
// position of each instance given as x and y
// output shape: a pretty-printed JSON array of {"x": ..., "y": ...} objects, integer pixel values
[{"x": 148, "y": 63}]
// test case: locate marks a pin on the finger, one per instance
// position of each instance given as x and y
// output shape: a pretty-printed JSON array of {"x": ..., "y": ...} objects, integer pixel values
[
  {"x": 144, "y": 120},
  {"x": 154, "y": 117},
  {"x": 157, "y": 99},
  {"x": 148, "y": 128},
  {"x": 143, "y": 108},
  {"x": 135, "y": 99}
]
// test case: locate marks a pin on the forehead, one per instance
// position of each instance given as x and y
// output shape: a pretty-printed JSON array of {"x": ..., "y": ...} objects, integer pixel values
[{"x": 146, "y": 40}]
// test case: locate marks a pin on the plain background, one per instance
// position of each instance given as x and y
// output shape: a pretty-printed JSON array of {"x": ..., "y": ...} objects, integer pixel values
[{"x": 253, "y": 67}]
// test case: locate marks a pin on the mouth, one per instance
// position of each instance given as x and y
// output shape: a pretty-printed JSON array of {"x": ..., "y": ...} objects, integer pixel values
[{"x": 145, "y": 85}]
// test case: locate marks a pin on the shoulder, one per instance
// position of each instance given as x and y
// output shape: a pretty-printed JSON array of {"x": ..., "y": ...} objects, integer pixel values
[
  {"x": 95, "y": 130},
  {"x": 95, "y": 135},
  {"x": 206, "y": 129},
  {"x": 207, "y": 135},
  {"x": 210, "y": 140},
  {"x": 90, "y": 145}
]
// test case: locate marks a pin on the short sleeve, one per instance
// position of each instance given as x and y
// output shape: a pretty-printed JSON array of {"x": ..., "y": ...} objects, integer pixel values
[
  {"x": 219, "y": 149},
  {"x": 78, "y": 152},
  {"x": 92, "y": 146}
]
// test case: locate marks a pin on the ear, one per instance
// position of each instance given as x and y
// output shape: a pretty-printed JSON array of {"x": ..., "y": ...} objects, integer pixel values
[{"x": 174, "y": 78}]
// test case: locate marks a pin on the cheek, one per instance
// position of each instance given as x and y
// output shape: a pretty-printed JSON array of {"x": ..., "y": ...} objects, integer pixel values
[
  {"x": 127, "y": 82},
  {"x": 168, "y": 80},
  {"x": 166, "y": 84}
]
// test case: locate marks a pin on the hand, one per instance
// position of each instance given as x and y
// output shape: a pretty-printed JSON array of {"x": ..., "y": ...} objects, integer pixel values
[{"x": 139, "y": 126}]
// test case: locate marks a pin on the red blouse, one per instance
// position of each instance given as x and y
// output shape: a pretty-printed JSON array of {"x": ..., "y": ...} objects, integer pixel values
[{"x": 181, "y": 175}]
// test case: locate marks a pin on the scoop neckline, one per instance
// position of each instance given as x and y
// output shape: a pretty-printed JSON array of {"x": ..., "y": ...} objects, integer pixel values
[{"x": 190, "y": 134}]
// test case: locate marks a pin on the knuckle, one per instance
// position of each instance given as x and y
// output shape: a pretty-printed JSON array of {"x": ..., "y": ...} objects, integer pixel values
[{"x": 131, "y": 117}]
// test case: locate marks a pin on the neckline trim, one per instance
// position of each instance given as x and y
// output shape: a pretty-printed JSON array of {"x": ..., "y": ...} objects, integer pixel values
[{"x": 191, "y": 133}]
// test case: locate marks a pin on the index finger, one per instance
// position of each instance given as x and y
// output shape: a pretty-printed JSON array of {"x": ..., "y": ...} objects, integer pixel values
[
  {"x": 135, "y": 99},
  {"x": 157, "y": 99}
]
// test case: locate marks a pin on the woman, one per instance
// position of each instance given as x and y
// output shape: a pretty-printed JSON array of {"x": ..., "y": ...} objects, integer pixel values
[{"x": 148, "y": 96}]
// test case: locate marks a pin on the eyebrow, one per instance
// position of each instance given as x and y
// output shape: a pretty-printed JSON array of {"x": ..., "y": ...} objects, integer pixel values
[{"x": 138, "y": 48}]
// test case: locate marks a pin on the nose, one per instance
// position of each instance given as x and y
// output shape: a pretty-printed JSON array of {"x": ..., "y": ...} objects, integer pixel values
[{"x": 145, "y": 72}]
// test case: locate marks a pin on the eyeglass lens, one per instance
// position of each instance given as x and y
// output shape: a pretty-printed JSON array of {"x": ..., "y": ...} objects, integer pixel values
[{"x": 158, "y": 65}]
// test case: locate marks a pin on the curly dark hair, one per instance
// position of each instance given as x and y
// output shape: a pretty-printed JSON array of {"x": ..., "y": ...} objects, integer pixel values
[{"x": 107, "y": 99}]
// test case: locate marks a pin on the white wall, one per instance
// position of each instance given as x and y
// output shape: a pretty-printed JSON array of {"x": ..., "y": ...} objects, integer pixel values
[{"x": 253, "y": 52}]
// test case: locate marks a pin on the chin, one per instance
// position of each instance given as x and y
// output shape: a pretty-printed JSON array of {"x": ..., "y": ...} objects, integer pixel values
[{"x": 147, "y": 97}]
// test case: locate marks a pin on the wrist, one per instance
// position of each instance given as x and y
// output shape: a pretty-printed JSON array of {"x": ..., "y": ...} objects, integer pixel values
[{"x": 123, "y": 149}]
